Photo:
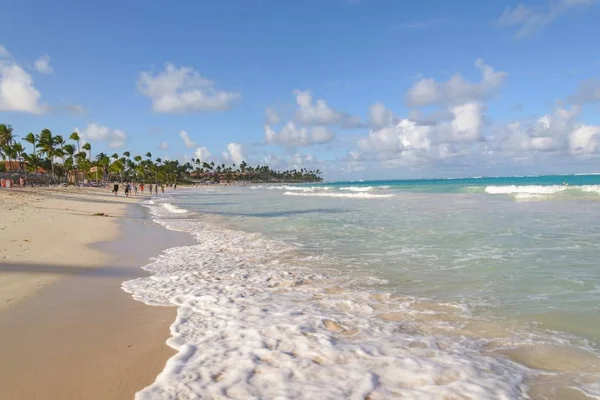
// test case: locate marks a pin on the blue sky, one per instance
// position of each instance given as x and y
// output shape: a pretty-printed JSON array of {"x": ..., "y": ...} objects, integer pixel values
[{"x": 358, "y": 88}]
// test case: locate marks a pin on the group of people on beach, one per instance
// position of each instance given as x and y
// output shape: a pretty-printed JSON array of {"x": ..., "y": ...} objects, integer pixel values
[{"x": 132, "y": 188}]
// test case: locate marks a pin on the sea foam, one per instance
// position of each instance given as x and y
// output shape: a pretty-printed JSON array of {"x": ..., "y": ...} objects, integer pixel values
[
  {"x": 360, "y": 195},
  {"x": 174, "y": 209},
  {"x": 357, "y": 188},
  {"x": 254, "y": 320},
  {"x": 540, "y": 189}
]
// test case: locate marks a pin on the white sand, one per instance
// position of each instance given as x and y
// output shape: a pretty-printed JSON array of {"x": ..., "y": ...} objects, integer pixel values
[
  {"x": 52, "y": 227},
  {"x": 68, "y": 333}
]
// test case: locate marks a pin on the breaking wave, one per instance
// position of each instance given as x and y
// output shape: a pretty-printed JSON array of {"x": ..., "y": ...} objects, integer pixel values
[
  {"x": 251, "y": 325},
  {"x": 174, "y": 209},
  {"x": 357, "y": 188},
  {"x": 359, "y": 195},
  {"x": 540, "y": 190},
  {"x": 257, "y": 319}
]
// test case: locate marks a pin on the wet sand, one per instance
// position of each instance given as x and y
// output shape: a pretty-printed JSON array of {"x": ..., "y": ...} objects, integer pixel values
[{"x": 80, "y": 336}]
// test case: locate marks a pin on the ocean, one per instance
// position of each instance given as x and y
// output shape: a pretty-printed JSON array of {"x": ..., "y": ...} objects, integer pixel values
[{"x": 475, "y": 288}]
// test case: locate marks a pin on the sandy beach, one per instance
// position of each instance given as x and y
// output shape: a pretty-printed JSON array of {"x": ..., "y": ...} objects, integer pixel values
[{"x": 68, "y": 330}]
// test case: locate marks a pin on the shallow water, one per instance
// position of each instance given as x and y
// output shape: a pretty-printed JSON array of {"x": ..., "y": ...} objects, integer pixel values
[{"x": 424, "y": 289}]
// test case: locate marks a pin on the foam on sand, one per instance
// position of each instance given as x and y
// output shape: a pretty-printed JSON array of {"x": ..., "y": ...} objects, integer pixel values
[{"x": 255, "y": 321}]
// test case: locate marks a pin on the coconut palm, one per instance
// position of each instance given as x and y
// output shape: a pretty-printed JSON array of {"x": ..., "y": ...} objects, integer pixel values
[
  {"x": 103, "y": 161},
  {"x": 75, "y": 137},
  {"x": 31, "y": 139},
  {"x": 69, "y": 162},
  {"x": 47, "y": 145},
  {"x": 6, "y": 139},
  {"x": 18, "y": 151},
  {"x": 61, "y": 158}
]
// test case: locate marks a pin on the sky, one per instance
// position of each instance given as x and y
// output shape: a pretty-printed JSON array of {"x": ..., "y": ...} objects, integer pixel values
[{"x": 360, "y": 89}]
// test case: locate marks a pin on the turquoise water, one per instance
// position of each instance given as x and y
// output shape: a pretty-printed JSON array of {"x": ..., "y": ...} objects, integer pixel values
[
  {"x": 510, "y": 263},
  {"x": 462, "y": 185}
]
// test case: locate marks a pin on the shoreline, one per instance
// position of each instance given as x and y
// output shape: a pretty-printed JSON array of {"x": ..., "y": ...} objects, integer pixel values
[{"x": 73, "y": 332}]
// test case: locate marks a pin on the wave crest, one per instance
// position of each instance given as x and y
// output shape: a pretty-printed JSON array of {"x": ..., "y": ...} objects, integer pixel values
[
  {"x": 540, "y": 189},
  {"x": 174, "y": 209},
  {"x": 360, "y": 195},
  {"x": 357, "y": 188}
]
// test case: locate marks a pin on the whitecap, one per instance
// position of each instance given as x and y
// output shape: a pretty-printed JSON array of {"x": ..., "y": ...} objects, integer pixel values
[
  {"x": 357, "y": 188},
  {"x": 174, "y": 209},
  {"x": 343, "y": 195}
]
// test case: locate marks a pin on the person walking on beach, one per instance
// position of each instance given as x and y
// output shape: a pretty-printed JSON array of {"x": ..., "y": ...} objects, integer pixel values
[
  {"x": 156, "y": 188},
  {"x": 135, "y": 189},
  {"x": 142, "y": 187},
  {"x": 162, "y": 189},
  {"x": 116, "y": 188},
  {"x": 150, "y": 188},
  {"x": 127, "y": 189}
]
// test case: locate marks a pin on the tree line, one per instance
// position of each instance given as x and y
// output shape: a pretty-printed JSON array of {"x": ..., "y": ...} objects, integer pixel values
[{"x": 57, "y": 156}]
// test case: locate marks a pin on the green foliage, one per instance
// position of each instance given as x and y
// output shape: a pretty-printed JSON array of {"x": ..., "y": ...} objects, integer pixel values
[{"x": 48, "y": 149}]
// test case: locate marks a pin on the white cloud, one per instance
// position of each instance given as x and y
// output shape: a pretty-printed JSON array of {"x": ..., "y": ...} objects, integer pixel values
[
  {"x": 408, "y": 143},
  {"x": 189, "y": 143},
  {"x": 202, "y": 153},
  {"x": 584, "y": 140},
  {"x": 180, "y": 90},
  {"x": 318, "y": 113},
  {"x": 299, "y": 161},
  {"x": 272, "y": 160},
  {"x": 456, "y": 90},
  {"x": 528, "y": 20},
  {"x": 114, "y": 137},
  {"x": 17, "y": 91},
  {"x": 272, "y": 116},
  {"x": 321, "y": 135},
  {"x": 457, "y": 134},
  {"x": 405, "y": 136},
  {"x": 4, "y": 53},
  {"x": 164, "y": 145},
  {"x": 235, "y": 152},
  {"x": 380, "y": 116},
  {"x": 42, "y": 65},
  {"x": 548, "y": 138},
  {"x": 467, "y": 122},
  {"x": 292, "y": 135}
]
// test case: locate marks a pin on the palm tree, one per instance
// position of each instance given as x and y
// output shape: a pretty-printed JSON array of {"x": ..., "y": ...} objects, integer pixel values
[
  {"x": 32, "y": 162},
  {"x": 75, "y": 137},
  {"x": 60, "y": 143},
  {"x": 18, "y": 151},
  {"x": 6, "y": 140},
  {"x": 47, "y": 146},
  {"x": 82, "y": 163},
  {"x": 102, "y": 160},
  {"x": 54, "y": 148},
  {"x": 32, "y": 139},
  {"x": 88, "y": 147},
  {"x": 69, "y": 163}
]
